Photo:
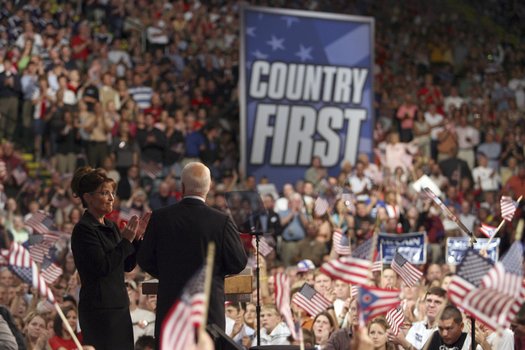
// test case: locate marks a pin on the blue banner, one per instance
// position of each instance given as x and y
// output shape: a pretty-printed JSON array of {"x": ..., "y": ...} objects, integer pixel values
[
  {"x": 306, "y": 90},
  {"x": 411, "y": 245},
  {"x": 457, "y": 246}
]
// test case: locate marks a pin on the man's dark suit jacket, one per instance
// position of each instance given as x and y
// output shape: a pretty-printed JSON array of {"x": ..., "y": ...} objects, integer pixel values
[{"x": 175, "y": 246}]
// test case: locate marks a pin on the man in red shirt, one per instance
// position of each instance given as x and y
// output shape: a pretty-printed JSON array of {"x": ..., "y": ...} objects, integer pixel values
[
  {"x": 516, "y": 183},
  {"x": 81, "y": 43}
]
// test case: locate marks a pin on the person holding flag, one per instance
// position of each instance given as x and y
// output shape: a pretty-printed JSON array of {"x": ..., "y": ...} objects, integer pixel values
[
  {"x": 102, "y": 253},
  {"x": 420, "y": 332}
]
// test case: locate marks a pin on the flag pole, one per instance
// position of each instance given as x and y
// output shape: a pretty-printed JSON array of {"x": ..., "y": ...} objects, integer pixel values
[
  {"x": 499, "y": 227},
  {"x": 519, "y": 230},
  {"x": 494, "y": 234},
  {"x": 68, "y": 327},
  {"x": 207, "y": 283},
  {"x": 299, "y": 331},
  {"x": 381, "y": 257}
]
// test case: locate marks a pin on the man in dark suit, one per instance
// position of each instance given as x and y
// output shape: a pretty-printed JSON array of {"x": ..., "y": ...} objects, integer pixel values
[{"x": 176, "y": 240}]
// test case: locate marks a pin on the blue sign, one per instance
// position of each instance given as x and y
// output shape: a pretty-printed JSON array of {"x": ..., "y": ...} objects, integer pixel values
[
  {"x": 457, "y": 246},
  {"x": 306, "y": 90},
  {"x": 411, "y": 245}
]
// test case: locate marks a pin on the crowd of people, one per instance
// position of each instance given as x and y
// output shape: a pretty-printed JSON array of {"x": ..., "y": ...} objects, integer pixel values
[{"x": 141, "y": 88}]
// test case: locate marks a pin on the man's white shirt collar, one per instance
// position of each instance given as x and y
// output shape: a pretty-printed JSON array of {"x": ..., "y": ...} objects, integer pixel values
[{"x": 196, "y": 197}]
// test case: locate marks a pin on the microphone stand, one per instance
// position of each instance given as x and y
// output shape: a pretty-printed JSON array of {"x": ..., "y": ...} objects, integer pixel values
[
  {"x": 256, "y": 233},
  {"x": 246, "y": 219},
  {"x": 257, "y": 286},
  {"x": 472, "y": 319}
]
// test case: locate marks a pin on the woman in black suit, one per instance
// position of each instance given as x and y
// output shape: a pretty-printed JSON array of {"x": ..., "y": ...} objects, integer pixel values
[{"x": 102, "y": 253}]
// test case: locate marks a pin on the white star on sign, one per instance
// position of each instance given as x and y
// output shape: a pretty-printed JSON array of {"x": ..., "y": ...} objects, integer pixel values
[
  {"x": 276, "y": 43},
  {"x": 250, "y": 31},
  {"x": 304, "y": 53},
  {"x": 290, "y": 20},
  {"x": 259, "y": 55}
]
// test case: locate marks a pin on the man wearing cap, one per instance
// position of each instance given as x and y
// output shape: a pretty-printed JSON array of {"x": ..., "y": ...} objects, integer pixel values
[{"x": 304, "y": 272}]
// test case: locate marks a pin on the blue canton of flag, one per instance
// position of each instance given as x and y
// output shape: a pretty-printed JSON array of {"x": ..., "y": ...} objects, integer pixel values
[
  {"x": 473, "y": 267},
  {"x": 469, "y": 275},
  {"x": 512, "y": 260},
  {"x": 365, "y": 250}
]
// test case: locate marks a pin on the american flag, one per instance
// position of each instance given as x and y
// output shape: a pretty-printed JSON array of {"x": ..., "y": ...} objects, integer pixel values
[
  {"x": 341, "y": 243},
  {"x": 501, "y": 293},
  {"x": 282, "y": 300},
  {"x": 487, "y": 230},
  {"x": 395, "y": 318},
  {"x": 508, "y": 207},
  {"x": 469, "y": 274},
  {"x": 408, "y": 273},
  {"x": 377, "y": 265},
  {"x": 310, "y": 300},
  {"x": 375, "y": 301},
  {"x": 264, "y": 248},
  {"x": 21, "y": 264},
  {"x": 468, "y": 279},
  {"x": 126, "y": 213},
  {"x": 352, "y": 269},
  {"x": 321, "y": 206},
  {"x": 151, "y": 169},
  {"x": 41, "y": 222},
  {"x": 50, "y": 270},
  {"x": 39, "y": 245},
  {"x": 187, "y": 314},
  {"x": 513, "y": 263},
  {"x": 348, "y": 269},
  {"x": 490, "y": 303},
  {"x": 354, "y": 291}
]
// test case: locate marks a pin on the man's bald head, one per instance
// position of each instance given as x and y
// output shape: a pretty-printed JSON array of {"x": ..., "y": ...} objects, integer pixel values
[{"x": 196, "y": 179}]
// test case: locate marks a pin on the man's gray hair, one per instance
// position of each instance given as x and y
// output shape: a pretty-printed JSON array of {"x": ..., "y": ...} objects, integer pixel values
[{"x": 196, "y": 179}]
